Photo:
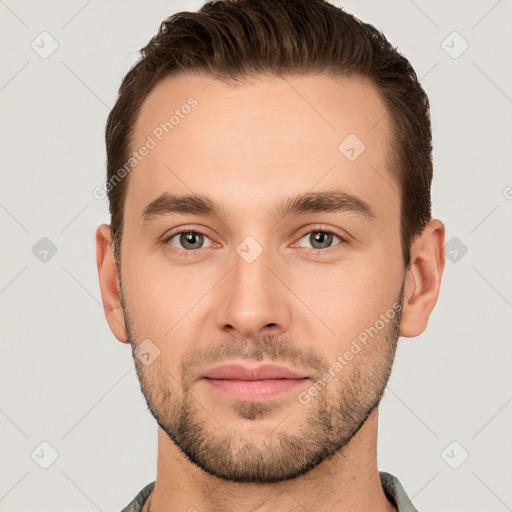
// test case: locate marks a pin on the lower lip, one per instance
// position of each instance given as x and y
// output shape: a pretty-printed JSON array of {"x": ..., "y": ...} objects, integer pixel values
[{"x": 254, "y": 390}]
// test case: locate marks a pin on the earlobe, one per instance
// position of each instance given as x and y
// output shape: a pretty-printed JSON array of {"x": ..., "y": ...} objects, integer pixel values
[
  {"x": 109, "y": 283},
  {"x": 423, "y": 279}
]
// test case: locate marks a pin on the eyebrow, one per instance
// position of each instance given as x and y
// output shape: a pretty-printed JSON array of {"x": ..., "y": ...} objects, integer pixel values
[{"x": 309, "y": 202}]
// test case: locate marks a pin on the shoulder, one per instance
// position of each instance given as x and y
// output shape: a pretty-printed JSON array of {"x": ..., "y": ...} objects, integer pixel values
[
  {"x": 136, "y": 504},
  {"x": 396, "y": 493}
]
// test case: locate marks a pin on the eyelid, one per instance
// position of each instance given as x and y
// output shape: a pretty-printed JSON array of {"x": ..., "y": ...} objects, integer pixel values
[
  {"x": 342, "y": 235},
  {"x": 344, "y": 238},
  {"x": 184, "y": 229}
]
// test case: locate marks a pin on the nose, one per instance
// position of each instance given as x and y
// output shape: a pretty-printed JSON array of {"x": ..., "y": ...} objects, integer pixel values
[{"x": 252, "y": 300}]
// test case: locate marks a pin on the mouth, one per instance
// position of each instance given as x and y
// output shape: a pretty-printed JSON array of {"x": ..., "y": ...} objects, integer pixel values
[{"x": 253, "y": 384}]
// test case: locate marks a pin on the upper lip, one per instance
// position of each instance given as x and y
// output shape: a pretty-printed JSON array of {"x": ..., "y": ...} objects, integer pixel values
[{"x": 240, "y": 372}]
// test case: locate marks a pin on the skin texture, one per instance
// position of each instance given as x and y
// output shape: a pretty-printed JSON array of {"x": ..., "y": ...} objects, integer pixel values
[{"x": 249, "y": 148}]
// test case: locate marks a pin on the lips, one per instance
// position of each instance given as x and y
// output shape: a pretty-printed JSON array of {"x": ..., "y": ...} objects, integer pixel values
[
  {"x": 262, "y": 372},
  {"x": 256, "y": 384}
]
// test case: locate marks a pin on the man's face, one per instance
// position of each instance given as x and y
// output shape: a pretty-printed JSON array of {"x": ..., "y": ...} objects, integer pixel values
[{"x": 251, "y": 284}]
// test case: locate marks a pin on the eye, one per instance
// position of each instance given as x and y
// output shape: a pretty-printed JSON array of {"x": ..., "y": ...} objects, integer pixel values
[
  {"x": 188, "y": 240},
  {"x": 321, "y": 239}
]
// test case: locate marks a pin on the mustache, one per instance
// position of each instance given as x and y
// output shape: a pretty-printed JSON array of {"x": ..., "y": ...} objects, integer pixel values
[{"x": 267, "y": 347}]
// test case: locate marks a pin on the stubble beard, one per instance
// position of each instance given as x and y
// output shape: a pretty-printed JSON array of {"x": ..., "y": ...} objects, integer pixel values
[{"x": 327, "y": 423}]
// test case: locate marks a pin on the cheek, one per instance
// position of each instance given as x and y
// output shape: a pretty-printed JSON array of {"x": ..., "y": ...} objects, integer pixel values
[
  {"x": 350, "y": 296},
  {"x": 162, "y": 298}
]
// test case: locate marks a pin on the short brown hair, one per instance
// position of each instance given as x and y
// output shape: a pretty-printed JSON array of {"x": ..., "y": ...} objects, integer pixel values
[{"x": 232, "y": 40}]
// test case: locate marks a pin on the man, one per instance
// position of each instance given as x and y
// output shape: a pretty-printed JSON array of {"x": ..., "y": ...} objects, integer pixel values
[{"x": 269, "y": 170}]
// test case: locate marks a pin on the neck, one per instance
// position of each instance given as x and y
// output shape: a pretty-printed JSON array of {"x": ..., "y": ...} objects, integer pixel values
[{"x": 349, "y": 480}]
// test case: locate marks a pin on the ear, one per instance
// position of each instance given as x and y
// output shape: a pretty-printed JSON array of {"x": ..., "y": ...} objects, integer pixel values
[
  {"x": 109, "y": 283},
  {"x": 423, "y": 279}
]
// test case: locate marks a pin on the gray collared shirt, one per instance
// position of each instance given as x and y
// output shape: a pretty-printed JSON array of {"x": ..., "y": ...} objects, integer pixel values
[{"x": 391, "y": 485}]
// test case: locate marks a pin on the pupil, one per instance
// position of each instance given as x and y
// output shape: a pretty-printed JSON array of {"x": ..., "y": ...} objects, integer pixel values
[
  {"x": 321, "y": 238},
  {"x": 191, "y": 238}
]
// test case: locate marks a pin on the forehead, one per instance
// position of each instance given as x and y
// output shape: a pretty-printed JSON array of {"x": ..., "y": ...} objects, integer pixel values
[
  {"x": 264, "y": 106},
  {"x": 267, "y": 137}
]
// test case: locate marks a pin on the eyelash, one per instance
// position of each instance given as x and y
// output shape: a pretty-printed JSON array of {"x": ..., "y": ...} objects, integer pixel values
[
  {"x": 320, "y": 229},
  {"x": 317, "y": 229}
]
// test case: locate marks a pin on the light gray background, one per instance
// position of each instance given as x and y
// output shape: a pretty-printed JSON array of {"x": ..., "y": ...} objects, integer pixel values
[{"x": 66, "y": 380}]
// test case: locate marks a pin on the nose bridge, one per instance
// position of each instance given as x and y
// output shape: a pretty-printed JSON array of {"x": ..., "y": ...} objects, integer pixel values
[{"x": 252, "y": 299}]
